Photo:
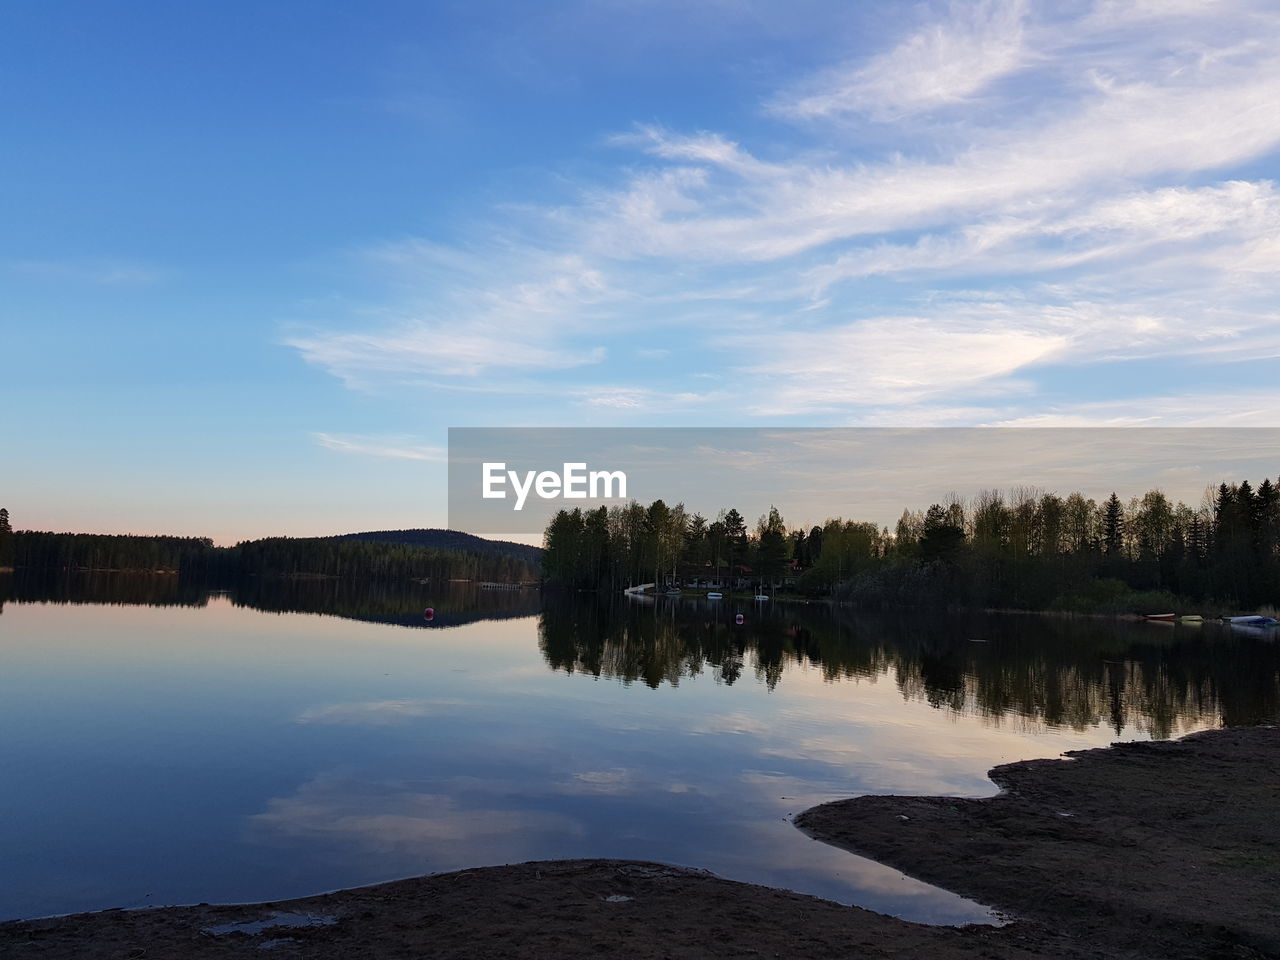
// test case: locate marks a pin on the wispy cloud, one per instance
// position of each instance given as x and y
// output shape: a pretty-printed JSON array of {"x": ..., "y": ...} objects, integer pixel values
[
  {"x": 402, "y": 820},
  {"x": 396, "y": 447},
  {"x": 999, "y": 188},
  {"x": 944, "y": 62},
  {"x": 891, "y": 360},
  {"x": 1223, "y": 408},
  {"x": 477, "y": 330},
  {"x": 376, "y": 712}
]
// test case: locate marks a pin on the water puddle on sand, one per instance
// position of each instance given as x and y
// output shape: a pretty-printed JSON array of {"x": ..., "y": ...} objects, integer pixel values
[{"x": 282, "y": 919}]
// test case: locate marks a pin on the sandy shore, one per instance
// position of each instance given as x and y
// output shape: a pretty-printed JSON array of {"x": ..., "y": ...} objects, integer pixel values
[{"x": 1163, "y": 850}]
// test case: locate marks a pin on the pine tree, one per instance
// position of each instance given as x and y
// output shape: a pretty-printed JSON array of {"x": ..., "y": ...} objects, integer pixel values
[
  {"x": 735, "y": 532},
  {"x": 772, "y": 533},
  {"x": 942, "y": 539},
  {"x": 6, "y": 539},
  {"x": 1112, "y": 527}
]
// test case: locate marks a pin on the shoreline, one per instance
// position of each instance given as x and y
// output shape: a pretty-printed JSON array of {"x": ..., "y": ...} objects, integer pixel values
[{"x": 1139, "y": 850}]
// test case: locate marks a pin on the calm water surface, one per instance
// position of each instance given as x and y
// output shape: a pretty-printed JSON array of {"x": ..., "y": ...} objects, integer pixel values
[{"x": 161, "y": 744}]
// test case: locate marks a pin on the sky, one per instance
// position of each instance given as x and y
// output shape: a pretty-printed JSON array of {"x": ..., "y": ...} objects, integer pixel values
[{"x": 257, "y": 258}]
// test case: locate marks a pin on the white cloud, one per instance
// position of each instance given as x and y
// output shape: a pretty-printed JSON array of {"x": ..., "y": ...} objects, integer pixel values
[
  {"x": 376, "y": 712},
  {"x": 942, "y": 63},
  {"x": 892, "y": 360},
  {"x": 1105, "y": 207},
  {"x": 395, "y": 447},
  {"x": 734, "y": 209},
  {"x": 1176, "y": 220},
  {"x": 630, "y": 399},
  {"x": 520, "y": 325},
  {"x": 403, "y": 820},
  {"x": 418, "y": 349},
  {"x": 1199, "y": 408},
  {"x": 1237, "y": 408}
]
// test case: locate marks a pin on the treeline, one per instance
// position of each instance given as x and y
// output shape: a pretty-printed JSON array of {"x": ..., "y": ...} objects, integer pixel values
[
  {"x": 331, "y": 557},
  {"x": 1025, "y": 549},
  {"x": 623, "y": 546},
  {"x": 42, "y": 551},
  {"x": 454, "y": 540},
  {"x": 1033, "y": 550},
  {"x": 39, "y": 552}
]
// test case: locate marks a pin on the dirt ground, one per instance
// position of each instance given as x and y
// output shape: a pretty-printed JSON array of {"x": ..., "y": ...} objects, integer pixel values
[{"x": 1166, "y": 850}]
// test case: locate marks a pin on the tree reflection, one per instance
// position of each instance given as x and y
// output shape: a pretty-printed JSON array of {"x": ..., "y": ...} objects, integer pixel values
[
  {"x": 105, "y": 587},
  {"x": 374, "y": 601},
  {"x": 1007, "y": 669},
  {"x": 1061, "y": 672}
]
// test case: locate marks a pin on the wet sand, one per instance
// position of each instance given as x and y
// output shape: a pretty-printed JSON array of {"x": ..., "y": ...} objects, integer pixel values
[{"x": 1148, "y": 850}]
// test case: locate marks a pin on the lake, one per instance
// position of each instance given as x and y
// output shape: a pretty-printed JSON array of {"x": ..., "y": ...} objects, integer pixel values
[{"x": 163, "y": 743}]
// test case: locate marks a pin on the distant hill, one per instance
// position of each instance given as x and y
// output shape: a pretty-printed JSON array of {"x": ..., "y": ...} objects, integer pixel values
[{"x": 450, "y": 540}]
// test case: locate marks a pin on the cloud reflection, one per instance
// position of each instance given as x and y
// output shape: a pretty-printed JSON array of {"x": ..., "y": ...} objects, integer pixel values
[
  {"x": 402, "y": 818},
  {"x": 376, "y": 712}
]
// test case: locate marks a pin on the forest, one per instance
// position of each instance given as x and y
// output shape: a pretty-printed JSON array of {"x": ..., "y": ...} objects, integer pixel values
[
  {"x": 1024, "y": 549},
  {"x": 39, "y": 552}
]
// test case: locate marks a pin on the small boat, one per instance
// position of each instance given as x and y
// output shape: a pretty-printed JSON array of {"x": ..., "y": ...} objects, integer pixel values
[
  {"x": 1254, "y": 621},
  {"x": 1191, "y": 618},
  {"x": 1167, "y": 617},
  {"x": 673, "y": 592},
  {"x": 715, "y": 596},
  {"x": 761, "y": 596}
]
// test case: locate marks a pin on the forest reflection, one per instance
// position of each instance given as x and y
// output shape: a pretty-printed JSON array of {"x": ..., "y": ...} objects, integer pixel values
[
  {"x": 1006, "y": 668},
  {"x": 1061, "y": 672},
  {"x": 371, "y": 601},
  {"x": 105, "y": 587}
]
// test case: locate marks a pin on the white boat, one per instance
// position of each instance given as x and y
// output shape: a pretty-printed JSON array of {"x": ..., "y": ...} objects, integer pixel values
[
  {"x": 761, "y": 596},
  {"x": 715, "y": 596},
  {"x": 1254, "y": 621}
]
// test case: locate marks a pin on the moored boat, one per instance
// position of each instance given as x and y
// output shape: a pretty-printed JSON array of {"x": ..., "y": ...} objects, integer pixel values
[{"x": 1167, "y": 617}]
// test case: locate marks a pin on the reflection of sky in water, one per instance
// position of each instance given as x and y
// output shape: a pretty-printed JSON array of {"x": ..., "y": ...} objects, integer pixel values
[{"x": 163, "y": 755}]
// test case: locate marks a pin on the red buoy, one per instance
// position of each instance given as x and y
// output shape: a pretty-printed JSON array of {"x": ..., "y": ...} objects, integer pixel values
[{"x": 431, "y": 613}]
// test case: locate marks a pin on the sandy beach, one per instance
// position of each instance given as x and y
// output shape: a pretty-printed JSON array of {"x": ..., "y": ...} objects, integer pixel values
[{"x": 1168, "y": 849}]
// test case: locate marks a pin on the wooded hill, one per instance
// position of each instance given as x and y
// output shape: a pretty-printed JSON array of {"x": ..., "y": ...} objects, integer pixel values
[
  {"x": 437, "y": 539},
  {"x": 438, "y": 555}
]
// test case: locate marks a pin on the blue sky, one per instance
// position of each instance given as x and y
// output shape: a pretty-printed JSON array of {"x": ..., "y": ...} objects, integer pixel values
[{"x": 256, "y": 258}]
